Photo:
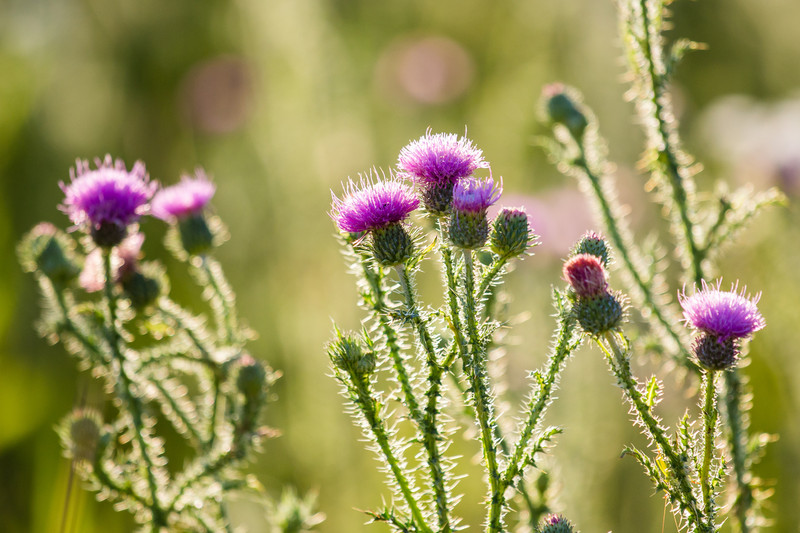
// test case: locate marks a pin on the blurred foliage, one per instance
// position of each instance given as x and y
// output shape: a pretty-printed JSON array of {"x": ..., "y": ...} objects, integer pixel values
[{"x": 280, "y": 100}]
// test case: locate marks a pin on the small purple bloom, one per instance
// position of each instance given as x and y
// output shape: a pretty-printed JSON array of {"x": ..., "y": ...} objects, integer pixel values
[
  {"x": 438, "y": 158},
  {"x": 723, "y": 314},
  {"x": 373, "y": 205},
  {"x": 186, "y": 198},
  {"x": 476, "y": 195},
  {"x": 108, "y": 199}
]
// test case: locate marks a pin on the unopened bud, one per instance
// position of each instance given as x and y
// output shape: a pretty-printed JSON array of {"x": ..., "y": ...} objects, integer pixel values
[
  {"x": 562, "y": 107},
  {"x": 511, "y": 233},
  {"x": 586, "y": 275},
  {"x": 252, "y": 377},
  {"x": 594, "y": 244},
  {"x": 196, "y": 235},
  {"x": 555, "y": 524},
  {"x": 141, "y": 289},
  {"x": 82, "y": 433},
  {"x": 48, "y": 250},
  {"x": 346, "y": 353}
]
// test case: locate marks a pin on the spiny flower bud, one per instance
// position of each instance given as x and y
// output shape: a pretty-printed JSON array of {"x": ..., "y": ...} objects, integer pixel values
[
  {"x": 252, "y": 378},
  {"x": 49, "y": 251},
  {"x": 81, "y": 432},
  {"x": 599, "y": 314},
  {"x": 594, "y": 244},
  {"x": 195, "y": 233},
  {"x": 555, "y": 524},
  {"x": 346, "y": 354},
  {"x": 562, "y": 107},
  {"x": 714, "y": 353},
  {"x": 469, "y": 227},
  {"x": 141, "y": 289},
  {"x": 586, "y": 275},
  {"x": 511, "y": 233}
]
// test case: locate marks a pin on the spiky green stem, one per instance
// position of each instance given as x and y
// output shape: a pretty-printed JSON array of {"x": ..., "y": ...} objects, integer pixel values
[
  {"x": 484, "y": 411},
  {"x": 709, "y": 432},
  {"x": 428, "y": 426},
  {"x": 681, "y": 489},
  {"x": 130, "y": 401}
]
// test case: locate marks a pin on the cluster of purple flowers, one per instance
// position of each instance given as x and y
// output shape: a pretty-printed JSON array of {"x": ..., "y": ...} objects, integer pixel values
[
  {"x": 108, "y": 201},
  {"x": 440, "y": 167}
]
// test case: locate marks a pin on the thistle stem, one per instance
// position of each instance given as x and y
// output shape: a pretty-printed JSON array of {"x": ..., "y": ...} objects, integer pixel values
[
  {"x": 681, "y": 489},
  {"x": 428, "y": 425},
  {"x": 130, "y": 401},
  {"x": 482, "y": 399},
  {"x": 709, "y": 432}
]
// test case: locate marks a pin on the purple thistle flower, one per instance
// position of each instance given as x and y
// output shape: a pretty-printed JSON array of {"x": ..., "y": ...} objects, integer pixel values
[
  {"x": 723, "y": 314},
  {"x": 438, "y": 158},
  {"x": 476, "y": 195},
  {"x": 370, "y": 205},
  {"x": 108, "y": 199},
  {"x": 186, "y": 198}
]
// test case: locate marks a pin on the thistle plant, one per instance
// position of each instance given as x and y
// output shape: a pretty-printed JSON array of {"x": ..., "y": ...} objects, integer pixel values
[
  {"x": 694, "y": 465},
  {"x": 437, "y": 360},
  {"x": 433, "y": 359},
  {"x": 184, "y": 396}
]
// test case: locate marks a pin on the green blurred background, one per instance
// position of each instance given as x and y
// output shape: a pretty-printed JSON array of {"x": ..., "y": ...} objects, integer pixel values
[{"x": 280, "y": 100}]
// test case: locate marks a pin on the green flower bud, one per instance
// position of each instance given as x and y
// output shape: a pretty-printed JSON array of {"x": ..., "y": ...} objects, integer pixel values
[
  {"x": 252, "y": 378},
  {"x": 51, "y": 252},
  {"x": 195, "y": 233},
  {"x": 562, "y": 107},
  {"x": 347, "y": 354},
  {"x": 593, "y": 244},
  {"x": 555, "y": 524},
  {"x": 511, "y": 234},
  {"x": 81, "y": 432}
]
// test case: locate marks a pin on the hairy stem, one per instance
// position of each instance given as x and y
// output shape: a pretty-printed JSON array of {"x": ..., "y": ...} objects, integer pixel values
[
  {"x": 482, "y": 399},
  {"x": 709, "y": 431}
]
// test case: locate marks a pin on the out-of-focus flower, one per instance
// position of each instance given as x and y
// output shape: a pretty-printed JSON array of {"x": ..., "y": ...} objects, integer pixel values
[
  {"x": 186, "y": 198},
  {"x": 555, "y": 524},
  {"x": 217, "y": 95},
  {"x": 108, "y": 199},
  {"x": 124, "y": 262},
  {"x": 427, "y": 70}
]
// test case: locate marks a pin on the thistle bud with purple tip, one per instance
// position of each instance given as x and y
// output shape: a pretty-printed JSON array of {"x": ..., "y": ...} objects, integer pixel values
[
  {"x": 469, "y": 227},
  {"x": 511, "y": 234},
  {"x": 597, "y": 309}
]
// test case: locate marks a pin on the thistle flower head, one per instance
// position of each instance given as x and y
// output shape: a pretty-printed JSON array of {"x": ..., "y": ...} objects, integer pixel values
[
  {"x": 369, "y": 205},
  {"x": 586, "y": 275},
  {"x": 476, "y": 195},
  {"x": 441, "y": 157},
  {"x": 108, "y": 199},
  {"x": 722, "y": 314},
  {"x": 186, "y": 198},
  {"x": 555, "y": 524}
]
